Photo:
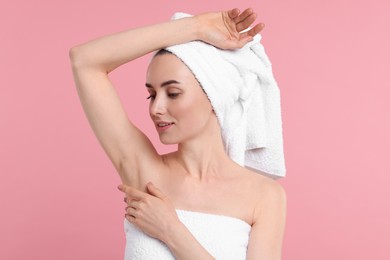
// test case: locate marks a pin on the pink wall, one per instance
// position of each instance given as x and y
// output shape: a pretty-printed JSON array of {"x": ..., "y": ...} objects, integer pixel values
[{"x": 58, "y": 196}]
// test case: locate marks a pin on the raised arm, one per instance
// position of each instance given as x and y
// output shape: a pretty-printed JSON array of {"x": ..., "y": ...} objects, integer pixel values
[
  {"x": 91, "y": 63},
  {"x": 94, "y": 60}
]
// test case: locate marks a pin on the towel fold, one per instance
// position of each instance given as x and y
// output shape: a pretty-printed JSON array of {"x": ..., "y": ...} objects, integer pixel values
[{"x": 246, "y": 99}]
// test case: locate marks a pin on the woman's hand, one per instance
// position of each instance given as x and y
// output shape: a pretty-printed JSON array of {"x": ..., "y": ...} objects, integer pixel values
[
  {"x": 152, "y": 212},
  {"x": 223, "y": 29}
]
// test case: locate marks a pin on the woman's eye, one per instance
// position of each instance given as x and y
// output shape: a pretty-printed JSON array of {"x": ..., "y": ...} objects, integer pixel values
[
  {"x": 151, "y": 97},
  {"x": 173, "y": 95}
]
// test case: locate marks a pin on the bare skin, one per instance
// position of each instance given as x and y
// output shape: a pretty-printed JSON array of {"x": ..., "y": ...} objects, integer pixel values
[{"x": 199, "y": 176}]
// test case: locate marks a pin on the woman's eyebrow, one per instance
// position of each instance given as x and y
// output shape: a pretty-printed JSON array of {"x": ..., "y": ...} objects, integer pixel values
[{"x": 172, "y": 81}]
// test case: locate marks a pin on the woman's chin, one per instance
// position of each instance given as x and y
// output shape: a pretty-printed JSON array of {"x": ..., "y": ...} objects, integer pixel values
[{"x": 168, "y": 141}]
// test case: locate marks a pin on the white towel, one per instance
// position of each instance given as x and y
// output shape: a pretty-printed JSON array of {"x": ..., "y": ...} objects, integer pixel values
[
  {"x": 224, "y": 237},
  {"x": 245, "y": 97}
]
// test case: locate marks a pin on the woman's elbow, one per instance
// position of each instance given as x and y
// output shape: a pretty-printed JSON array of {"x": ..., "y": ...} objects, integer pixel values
[{"x": 76, "y": 57}]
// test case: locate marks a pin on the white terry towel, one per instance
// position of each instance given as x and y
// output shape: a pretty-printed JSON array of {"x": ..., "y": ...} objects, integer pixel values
[
  {"x": 245, "y": 97},
  {"x": 224, "y": 237}
]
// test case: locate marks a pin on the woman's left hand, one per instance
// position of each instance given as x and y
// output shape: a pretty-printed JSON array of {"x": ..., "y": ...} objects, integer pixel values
[
  {"x": 152, "y": 212},
  {"x": 225, "y": 29}
]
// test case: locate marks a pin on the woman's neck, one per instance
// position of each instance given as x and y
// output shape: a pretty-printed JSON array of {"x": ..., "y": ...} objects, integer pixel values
[{"x": 204, "y": 157}]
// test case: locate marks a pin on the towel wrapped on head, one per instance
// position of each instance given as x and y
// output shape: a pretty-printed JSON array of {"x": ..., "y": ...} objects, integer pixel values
[{"x": 246, "y": 99}]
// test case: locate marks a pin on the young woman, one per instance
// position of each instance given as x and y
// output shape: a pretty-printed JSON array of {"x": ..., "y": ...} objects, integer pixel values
[{"x": 199, "y": 180}]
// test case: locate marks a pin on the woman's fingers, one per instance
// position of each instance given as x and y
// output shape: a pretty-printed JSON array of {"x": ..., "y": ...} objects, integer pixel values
[
  {"x": 153, "y": 190},
  {"x": 132, "y": 192},
  {"x": 152, "y": 212},
  {"x": 246, "y": 23},
  {"x": 130, "y": 218},
  {"x": 233, "y": 13},
  {"x": 226, "y": 33},
  {"x": 253, "y": 31},
  {"x": 131, "y": 211},
  {"x": 241, "y": 17},
  {"x": 133, "y": 203}
]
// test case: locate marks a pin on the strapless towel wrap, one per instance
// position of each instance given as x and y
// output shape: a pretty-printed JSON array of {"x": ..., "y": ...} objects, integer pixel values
[{"x": 224, "y": 237}]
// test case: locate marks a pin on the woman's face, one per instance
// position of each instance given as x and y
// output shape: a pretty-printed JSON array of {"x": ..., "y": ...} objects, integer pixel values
[{"x": 178, "y": 106}]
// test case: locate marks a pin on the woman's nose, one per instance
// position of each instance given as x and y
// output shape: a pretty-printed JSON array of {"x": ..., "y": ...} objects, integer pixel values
[{"x": 158, "y": 107}]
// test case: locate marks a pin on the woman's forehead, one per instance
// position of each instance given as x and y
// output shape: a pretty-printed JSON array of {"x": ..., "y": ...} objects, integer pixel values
[{"x": 168, "y": 67}]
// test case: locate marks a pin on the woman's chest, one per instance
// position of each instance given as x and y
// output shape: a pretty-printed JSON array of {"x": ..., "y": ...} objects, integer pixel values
[{"x": 224, "y": 197}]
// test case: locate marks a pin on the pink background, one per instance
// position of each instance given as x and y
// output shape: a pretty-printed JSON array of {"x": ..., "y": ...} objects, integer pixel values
[{"x": 331, "y": 59}]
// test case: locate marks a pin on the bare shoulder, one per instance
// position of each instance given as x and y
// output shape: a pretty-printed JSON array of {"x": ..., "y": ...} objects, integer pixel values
[
  {"x": 270, "y": 188},
  {"x": 265, "y": 191},
  {"x": 269, "y": 213},
  {"x": 269, "y": 218}
]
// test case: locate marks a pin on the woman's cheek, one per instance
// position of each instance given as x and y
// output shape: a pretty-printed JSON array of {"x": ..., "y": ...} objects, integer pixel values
[{"x": 187, "y": 115}]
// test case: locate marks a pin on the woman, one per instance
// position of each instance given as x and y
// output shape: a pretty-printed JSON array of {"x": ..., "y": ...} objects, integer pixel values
[{"x": 199, "y": 179}]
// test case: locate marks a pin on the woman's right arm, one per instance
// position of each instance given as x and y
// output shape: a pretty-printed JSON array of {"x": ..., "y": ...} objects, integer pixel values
[
  {"x": 109, "y": 52},
  {"x": 91, "y": 64},
  {"x": 94, "y": 60}
]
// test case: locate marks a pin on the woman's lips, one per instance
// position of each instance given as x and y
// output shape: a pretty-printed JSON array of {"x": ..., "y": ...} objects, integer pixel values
[{"x": 162, "y": 126}]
